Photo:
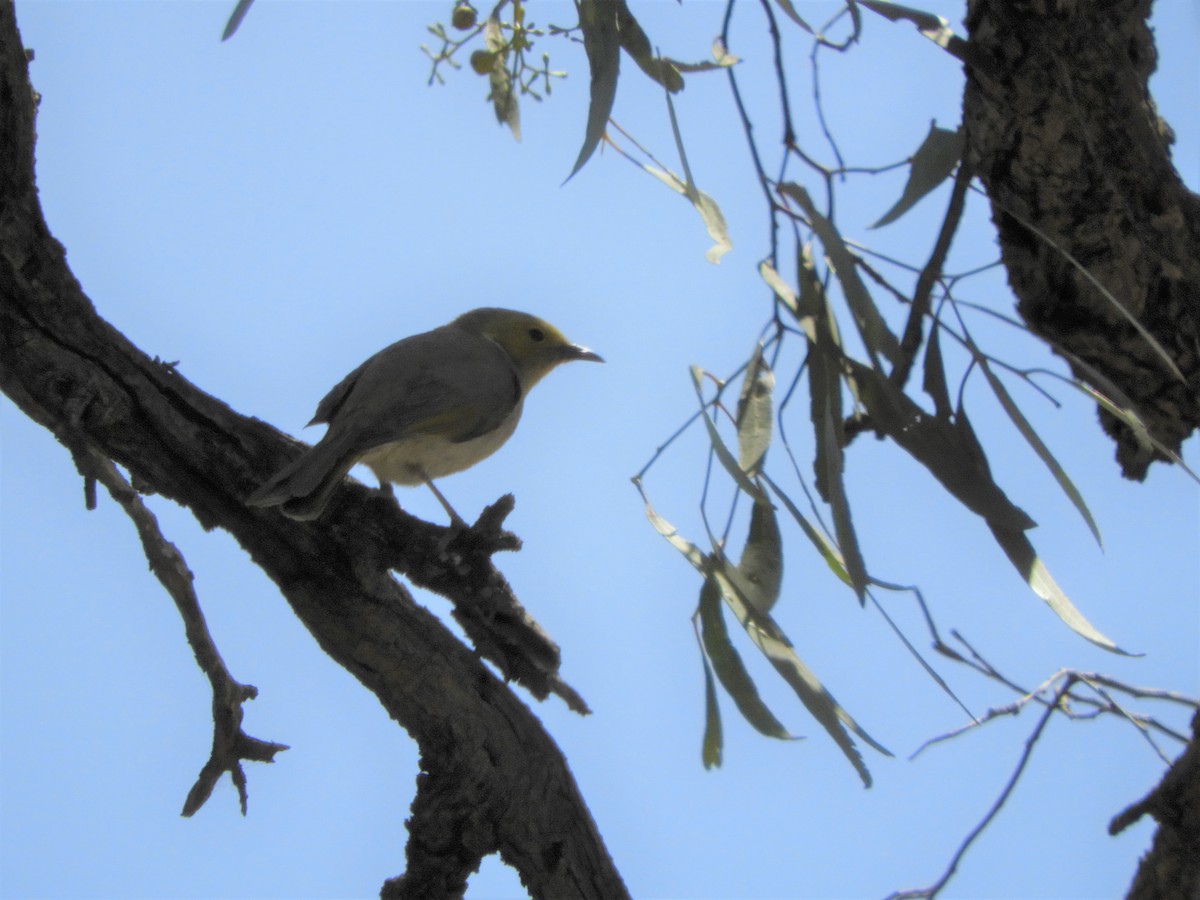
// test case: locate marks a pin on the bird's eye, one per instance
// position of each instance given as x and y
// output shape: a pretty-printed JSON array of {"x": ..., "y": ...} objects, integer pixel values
[{"x": 537, "y": 334}]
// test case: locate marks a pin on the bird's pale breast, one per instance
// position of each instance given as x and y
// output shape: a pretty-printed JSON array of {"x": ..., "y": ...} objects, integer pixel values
[{"x": 403, "y": 462}]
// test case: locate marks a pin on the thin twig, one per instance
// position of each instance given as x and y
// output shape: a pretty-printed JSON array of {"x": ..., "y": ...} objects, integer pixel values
[
  {"x": 748, "y": 129},
  {"x": 231, "y": 745},
  {"x": 1031, "y": 741}
]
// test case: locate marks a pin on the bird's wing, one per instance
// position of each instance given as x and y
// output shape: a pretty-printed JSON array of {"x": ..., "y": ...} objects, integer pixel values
[
  {"x": 444, "y": 382},
  {"x": 331, "y": 402}
]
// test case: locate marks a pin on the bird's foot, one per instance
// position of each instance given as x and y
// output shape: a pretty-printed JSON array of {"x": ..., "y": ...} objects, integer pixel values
[{"x": 487, "y": 535}]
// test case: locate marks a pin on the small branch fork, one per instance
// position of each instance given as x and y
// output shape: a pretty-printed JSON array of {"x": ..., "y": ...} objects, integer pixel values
[
  {"x": 1101, "y": 700},
  {"x": 497, "y": 625},
  {"x": 230, "y": 744},
  {"x": 1056, "y": 694}
]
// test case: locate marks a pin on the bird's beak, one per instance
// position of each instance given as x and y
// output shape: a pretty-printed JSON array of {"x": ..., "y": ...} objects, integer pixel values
[{"x": 574, "y": 351}]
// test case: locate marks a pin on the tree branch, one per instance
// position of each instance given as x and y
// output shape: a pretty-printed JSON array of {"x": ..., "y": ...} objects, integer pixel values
[
  {"x": 1171, "y": 870},
  {"x": 73, "y": 372},
  {"x": 1063, "y": 133},
  {"x": 230, "y": 744}
]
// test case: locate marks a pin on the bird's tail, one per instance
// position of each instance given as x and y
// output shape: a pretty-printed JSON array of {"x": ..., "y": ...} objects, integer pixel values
[{"x": 302, "y": 488}]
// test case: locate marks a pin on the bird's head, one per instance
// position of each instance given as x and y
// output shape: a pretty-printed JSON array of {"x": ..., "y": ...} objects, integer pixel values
[{"x": 534, "y": 345}]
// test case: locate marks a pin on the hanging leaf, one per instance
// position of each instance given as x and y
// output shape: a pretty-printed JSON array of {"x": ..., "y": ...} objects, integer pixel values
[
  {"x": 780, "y": 287},
  {"x": 690, "y": 551},
  {"x": 634, "y": 41},
  {"x": 710, "y": 213},
  {"x": 723, "y": 455},
  {"x": 772, "y": 642},
  {"x": 602, "y": 43},
  {"x": 235, "y": 20},
  {"x": 1117, "y": 403},
  {"x": 1039, "y": 447},
  {"x": 714, "y": 224},
  {"x": 936, "y": 28},
  {"x": 790, "y": 11},
  {"x": 825, "y": 391},
  {"x": 711, "y": 745},
  {"x": 754, "y": 414},
  {"x": 821, "y": 704},
  {"x": 932, "y": 164},
  {"x": 871, "y": 327},
  {"x": 1121, "y": 407},
  {"x": 811, "y": 301},
  {"x": 935, "y": 375},
  {"x": 830, "y": 553},
  {"x": 948, "y": 449},
  {"x": 1022, "y": 555},
  {"x": 728, "y": 665},
  {"x": 951, "y": 451},
  {"x": 759, "y": 573},
  {"x": 706, "y": 206}
]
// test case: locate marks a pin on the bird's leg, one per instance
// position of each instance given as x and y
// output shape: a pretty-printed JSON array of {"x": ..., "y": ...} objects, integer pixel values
[{"x": 456, "y": 520}]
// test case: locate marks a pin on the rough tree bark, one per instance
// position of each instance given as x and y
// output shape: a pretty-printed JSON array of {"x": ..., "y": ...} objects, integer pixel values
[
  {"x": 1063, "y": 133},
  {"x": 492, "y": 780}
]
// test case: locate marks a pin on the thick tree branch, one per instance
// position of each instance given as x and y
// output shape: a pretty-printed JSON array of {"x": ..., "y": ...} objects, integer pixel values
[
  {"x": 1171, "y": 870},
  {"x": 482, "y": 748},
  {"x": 1063, "y": 133}
]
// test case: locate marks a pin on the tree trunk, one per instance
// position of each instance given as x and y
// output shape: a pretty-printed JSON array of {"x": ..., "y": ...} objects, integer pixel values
[
  {"x": 1095, "y": 225},
  {"x": 1063, "y": 132},
  {"x": 492, "y": 780}
]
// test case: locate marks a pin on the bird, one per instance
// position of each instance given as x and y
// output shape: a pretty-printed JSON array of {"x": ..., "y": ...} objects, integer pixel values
[{"x": 424, "y": 407}]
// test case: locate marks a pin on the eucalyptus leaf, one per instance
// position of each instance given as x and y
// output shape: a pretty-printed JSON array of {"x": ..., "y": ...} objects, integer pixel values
[
  {"x": 235, "y": 19},
  {"x": 948, "y": 449},
  {"x": 1117, "y": 403},
  {"x": 1022, "y": 555},
  {"x": 755, "y": 413},
  {"x": 825, "y": 390},
  {"x": 936, "y": 28},
  {"x": 759, "y": 573},
  {"x": 953, "y": 455},
  {"x": 722, "y": 59},
  {"x": 780, "y": 287},
  {"x": 714, "y": 224},
  {"x": 725, "y": 457},
  {"x": 706, "y": 206},
  {"x": 710, "y": 213},
  {"x": 602, "y": 43},
  {"x": 790, "y": 11},
  {"x": 634, "y": 41},
  {"x": 874, "y": 331},
  {"x": 1039, "y": 447},
  {"x": 728, "y": 665},
  {"x": 935, "y": 375},
  {"x": 690, "y": 551},
  {"x": 830, "y": 553},
  {"x": 932, "y": 164},
  {"x": 713, "y": 741},
  {"x": 820, "y": 703}
]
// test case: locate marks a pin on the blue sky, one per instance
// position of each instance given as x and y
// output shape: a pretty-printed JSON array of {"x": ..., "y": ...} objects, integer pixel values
[{"x": 272, "y": 210}]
